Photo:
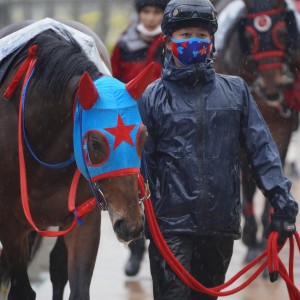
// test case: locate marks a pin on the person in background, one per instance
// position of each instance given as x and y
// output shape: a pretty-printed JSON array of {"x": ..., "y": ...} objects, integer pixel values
[
  {"x": 197, "y": 120},
  {"x": 139, "y": 45}
]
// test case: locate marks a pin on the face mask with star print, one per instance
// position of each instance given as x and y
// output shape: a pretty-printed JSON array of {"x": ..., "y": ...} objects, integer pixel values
[{"x": 191, "y": 50}]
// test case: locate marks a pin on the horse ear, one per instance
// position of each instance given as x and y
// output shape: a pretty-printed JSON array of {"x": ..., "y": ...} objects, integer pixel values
[
  {"x": 87, "y": 92},
  {"x": 136, "y": 86}
]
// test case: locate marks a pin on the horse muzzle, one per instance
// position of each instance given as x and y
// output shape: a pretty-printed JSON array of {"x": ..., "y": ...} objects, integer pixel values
[{"x": 125, "y": 233}]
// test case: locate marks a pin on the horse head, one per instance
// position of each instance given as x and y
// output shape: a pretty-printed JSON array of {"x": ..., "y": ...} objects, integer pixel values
[
  {"x": 263, "y": 39},
  {"x": 268, "y": 38},
  {"x": 108, "y": 143}
]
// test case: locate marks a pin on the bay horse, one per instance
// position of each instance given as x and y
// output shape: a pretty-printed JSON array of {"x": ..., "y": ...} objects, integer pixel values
[
  {"x": 54, "y": 97},
  {"x": 259, "y": 41}
]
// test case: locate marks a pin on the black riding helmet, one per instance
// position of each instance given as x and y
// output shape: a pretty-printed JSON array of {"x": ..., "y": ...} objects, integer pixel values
[
  {"x": 140, "y": 4},
  {"x": 184, "y": 13}
]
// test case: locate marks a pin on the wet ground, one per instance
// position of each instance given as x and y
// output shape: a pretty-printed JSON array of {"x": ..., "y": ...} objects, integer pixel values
[{"x": 110, "y": 283}]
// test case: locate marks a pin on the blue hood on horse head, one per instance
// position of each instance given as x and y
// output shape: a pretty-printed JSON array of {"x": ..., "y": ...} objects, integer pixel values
[{"x": 110, "y": 111}]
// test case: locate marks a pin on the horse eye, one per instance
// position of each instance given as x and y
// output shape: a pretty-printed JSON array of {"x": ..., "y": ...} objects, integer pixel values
[
  {"x": 98, "y": 148},
  {"x": 95, "y": 145}
]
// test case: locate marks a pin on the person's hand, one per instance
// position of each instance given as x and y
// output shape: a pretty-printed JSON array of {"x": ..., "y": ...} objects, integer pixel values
[{"x": 284, "y": 224}]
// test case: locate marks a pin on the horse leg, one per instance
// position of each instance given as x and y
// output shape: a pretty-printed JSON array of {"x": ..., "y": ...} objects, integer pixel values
[
  {"x": 4, "y": 275},
  {"x": 35, "y": 241},
  {"x": 16, "y": 248},
  {"x": 250, "y": 226},
  {"x": 59, "y": 268},
  {"x": 82, "y": 244}
]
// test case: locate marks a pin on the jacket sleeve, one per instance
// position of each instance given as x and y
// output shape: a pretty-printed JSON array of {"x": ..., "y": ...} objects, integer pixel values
[
  {"x": 264, "y": 159},
  {"x": 149, "y": 152},
  {"x": 116, "y": 62}
]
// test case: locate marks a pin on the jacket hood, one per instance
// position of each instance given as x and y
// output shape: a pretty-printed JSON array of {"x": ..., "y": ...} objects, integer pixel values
[{"x": 190, "y": 75}]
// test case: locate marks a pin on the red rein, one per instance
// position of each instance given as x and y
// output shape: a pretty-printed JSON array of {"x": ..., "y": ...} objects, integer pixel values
[
  {"x": 26, "y": 68},
  {"x": 268, "y": 258}
]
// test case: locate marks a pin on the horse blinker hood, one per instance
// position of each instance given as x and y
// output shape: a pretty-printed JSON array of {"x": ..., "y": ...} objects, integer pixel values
[{"x": 107, "y": 108}]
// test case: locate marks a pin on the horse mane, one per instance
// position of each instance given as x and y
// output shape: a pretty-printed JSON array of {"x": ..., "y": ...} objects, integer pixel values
[{"x": 59, "y": 60}]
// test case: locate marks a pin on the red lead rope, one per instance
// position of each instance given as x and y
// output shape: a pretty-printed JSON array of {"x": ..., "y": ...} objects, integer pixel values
[
  {"x": 79, "y": 211},
  {"x": 269, "y": 257}
]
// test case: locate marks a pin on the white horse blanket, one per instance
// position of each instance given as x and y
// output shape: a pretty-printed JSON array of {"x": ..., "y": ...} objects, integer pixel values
[{"x": 13, "y": 41}]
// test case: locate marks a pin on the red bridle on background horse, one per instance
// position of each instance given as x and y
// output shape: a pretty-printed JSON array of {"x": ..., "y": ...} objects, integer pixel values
[{"x": 259, "y": 41}]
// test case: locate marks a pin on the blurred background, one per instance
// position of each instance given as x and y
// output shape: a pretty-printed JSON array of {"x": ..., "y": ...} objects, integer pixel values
[{"x": 107, "y": 18}]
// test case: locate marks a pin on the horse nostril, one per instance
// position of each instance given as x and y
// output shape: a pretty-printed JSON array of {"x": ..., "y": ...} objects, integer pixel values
[
  {"x": 273, "y": 96},
  {"x": 119, "y": 227},
  {"x": 125, "y": 233}
]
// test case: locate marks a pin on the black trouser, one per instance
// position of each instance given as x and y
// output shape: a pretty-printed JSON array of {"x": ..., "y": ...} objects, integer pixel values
[{"x": 206, "y": 258}]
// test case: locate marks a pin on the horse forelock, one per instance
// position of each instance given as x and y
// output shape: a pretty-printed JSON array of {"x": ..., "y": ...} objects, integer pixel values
[{"x": 58, "y": 61}]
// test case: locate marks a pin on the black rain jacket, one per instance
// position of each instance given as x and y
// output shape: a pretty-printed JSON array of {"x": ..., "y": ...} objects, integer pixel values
[{"x": 197, "y": 120}]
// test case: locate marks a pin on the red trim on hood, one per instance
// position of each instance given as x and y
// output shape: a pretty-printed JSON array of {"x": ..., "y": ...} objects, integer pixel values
[{"x": 121, "y": 172}]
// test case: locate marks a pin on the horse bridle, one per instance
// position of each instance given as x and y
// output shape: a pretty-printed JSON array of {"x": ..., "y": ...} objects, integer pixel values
[
  {"x": 28, "y": 66},
  {"x": 266, "y": 21},
  {"x": 104, "y": 203}
]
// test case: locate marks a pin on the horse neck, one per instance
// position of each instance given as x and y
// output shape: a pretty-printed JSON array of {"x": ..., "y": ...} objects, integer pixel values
[{"x": 49, "y": 122}]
